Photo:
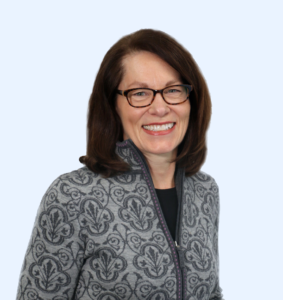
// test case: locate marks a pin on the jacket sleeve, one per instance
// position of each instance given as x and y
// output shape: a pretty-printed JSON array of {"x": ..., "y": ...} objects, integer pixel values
[
  {"x": 55, "y": 252},
  {"x": 217, "y": 291}
]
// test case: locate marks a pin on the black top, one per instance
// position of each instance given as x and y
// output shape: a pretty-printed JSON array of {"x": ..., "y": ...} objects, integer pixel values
[{"x": 169, "y": 204}]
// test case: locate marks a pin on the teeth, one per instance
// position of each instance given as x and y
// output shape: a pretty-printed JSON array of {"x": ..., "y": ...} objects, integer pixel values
[{"x": 159, "y": 127}]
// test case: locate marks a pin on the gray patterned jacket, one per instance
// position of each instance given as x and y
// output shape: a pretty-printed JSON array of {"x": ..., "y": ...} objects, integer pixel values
[{"x": 107, "y": 239}]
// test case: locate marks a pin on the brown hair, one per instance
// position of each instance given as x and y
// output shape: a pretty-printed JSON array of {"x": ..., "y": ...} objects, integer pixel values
[{"x": 104, "y": 127}]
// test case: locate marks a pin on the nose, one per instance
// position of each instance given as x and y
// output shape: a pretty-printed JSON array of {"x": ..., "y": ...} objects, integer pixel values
[{"x": 159, "y": 107}]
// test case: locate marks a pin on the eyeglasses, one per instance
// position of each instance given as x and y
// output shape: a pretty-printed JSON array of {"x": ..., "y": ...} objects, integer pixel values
[{"x": 142, "y": 97}]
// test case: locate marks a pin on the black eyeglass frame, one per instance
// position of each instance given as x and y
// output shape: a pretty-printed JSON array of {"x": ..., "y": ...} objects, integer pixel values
[{"x": 125, "y": 94}]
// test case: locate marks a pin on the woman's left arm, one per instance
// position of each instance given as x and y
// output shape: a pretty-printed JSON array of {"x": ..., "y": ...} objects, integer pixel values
[{"x": 217, "y": 292}]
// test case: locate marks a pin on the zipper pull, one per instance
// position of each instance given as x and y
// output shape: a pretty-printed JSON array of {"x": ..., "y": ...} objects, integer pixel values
[{"x": 181, "y": 255}]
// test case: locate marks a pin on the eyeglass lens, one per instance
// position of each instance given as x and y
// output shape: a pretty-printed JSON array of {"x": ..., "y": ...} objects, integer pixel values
[{"x": 172, "y": 94}]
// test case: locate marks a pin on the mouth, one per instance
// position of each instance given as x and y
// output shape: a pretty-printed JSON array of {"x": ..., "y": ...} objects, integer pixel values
[{"x": 159, "y": 127}]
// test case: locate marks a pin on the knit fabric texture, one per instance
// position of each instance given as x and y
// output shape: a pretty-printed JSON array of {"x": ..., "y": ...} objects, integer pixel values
[{"x": 107, "y": 239}]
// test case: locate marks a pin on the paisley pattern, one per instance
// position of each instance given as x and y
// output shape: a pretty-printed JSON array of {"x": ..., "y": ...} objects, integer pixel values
[
  {"x": 48, "y": 275},
  {"x": 105, "y": 239},
  {"x": 191, "y": 211},
  {"x": 137, "y": 213},
  {"x": 128, "y": 156},
  {"x": 94, "y": 217},
  {"x": 153, "y": 261},
  {"x": 126, "y": 178},
  {"x": 209, "y": 206},
  {"x": 198, "y": 255},
  {"x": 80, "y": 177},
  {"x": 54, "y": 225},
  {"x": 107, "y": 265}
]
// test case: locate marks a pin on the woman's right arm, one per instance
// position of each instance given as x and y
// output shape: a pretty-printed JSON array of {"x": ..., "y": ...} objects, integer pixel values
[{"x": 55, "y": 252}]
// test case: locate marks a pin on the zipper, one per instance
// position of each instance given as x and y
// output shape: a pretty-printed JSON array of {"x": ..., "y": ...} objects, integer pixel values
[
  {"x": 178, "y": 257},
  {"x": 179, "y": 179},
  {"x": 178, "y": 182}
]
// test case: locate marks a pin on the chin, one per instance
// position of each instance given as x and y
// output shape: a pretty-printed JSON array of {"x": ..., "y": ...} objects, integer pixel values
[{"x": 161, "y": 149}]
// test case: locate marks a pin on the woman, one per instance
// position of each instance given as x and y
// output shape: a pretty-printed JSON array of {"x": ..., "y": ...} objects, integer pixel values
[{"x": 140, "y": 220}]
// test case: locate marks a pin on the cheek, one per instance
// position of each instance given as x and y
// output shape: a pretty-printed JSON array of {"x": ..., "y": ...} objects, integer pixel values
[{"x": 129, "y": 119}]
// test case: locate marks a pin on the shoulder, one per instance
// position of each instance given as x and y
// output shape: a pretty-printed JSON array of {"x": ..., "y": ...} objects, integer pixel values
[
  {"x": 70, "y": 186},
  {"x": 203, "y": 184},
  {"x": 203, "y": 178},
  {"x": 81, "y": 177},
  {"x": 202, "y": 192}
]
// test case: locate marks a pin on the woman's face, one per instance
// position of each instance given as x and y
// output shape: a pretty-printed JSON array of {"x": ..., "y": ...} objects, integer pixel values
[{"x": 145, "y": 69}]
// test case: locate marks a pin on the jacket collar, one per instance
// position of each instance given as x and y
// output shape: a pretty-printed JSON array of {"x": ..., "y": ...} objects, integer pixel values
[{"x": 130, "y": 153}]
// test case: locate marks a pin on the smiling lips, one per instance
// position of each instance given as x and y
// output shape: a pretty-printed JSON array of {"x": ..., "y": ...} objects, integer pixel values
[{"x": 159, "y": 128}]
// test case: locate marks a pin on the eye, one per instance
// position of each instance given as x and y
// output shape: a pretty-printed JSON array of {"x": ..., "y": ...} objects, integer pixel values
[
  {"x": 173, "y": 91},
  {"x": 139, "y": 94}
]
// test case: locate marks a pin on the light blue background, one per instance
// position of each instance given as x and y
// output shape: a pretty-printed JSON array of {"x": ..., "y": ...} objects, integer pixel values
[{"x": 50, "y": 54}]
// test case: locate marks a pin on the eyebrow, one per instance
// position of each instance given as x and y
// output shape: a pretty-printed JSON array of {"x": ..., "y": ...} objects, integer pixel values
[{"x": 143, "y": 84}]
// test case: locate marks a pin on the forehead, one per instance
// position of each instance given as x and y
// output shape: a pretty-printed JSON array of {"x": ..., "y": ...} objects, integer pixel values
[{"x": 147, "y": 68}]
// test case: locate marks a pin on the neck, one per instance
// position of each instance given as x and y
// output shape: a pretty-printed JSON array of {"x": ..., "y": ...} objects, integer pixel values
[{"x": 162, "y": 170}]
